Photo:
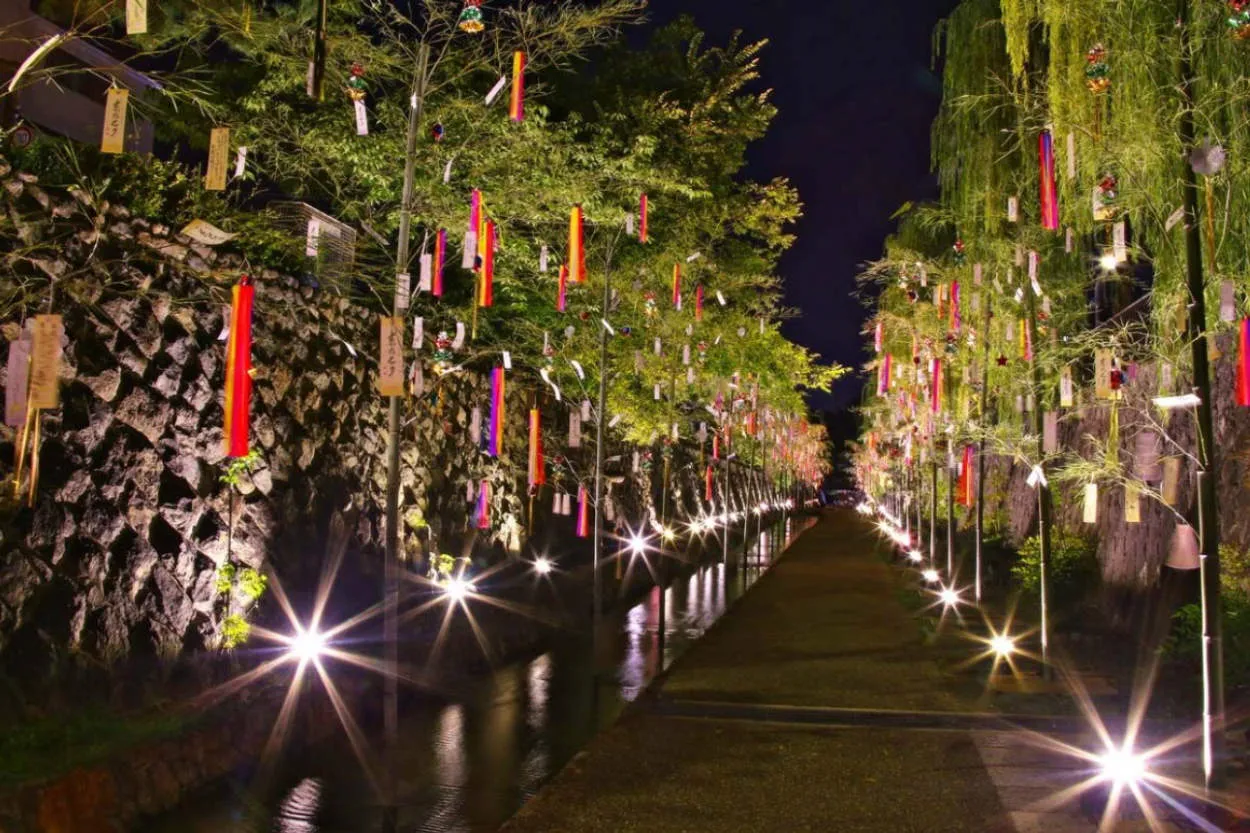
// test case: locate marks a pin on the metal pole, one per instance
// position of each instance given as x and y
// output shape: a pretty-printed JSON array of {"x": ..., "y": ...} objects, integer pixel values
[
  {"x": 390, "y": 636},
  {"x": 1212, "y": 627},
  {"x": 984, "y": 417},
  {"x": 597, "y": 592},
  {"x": 1044, "y": 503},
  {"x": 950, "y": 513},
  {"x": 933, "y": 510}
]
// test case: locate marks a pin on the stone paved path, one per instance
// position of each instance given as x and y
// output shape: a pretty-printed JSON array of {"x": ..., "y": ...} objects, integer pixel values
[{"x": 825, "y": 629}]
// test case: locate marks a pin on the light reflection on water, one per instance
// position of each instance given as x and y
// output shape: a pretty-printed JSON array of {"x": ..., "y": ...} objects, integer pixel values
[{"x": 467, "y": 765}]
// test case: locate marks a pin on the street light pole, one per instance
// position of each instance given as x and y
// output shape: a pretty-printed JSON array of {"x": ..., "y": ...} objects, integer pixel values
[
  {"x": 596, "y": 570},
  {"x": 390, "y": 636}
]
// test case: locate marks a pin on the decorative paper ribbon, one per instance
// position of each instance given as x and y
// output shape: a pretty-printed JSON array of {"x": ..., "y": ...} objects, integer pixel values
[
  {"x": 440, "y": 261},
  {"x": 483, "y": 506},
  {"x": 698, "y": 303},
  {"x": 1046, "y": 186},
  {"x": 562, "y": 289},
  {"x": 583, "y": 513},
  {"x": 1243, "y": 364},
  {"x": 964, "y": 495},
  {"x": 537, "y": 465},
  {"x": 677, "y": 285},
  {"x": 707, "y": 485},
  {"x": 475, "y": 212},
  {"x": 577, "y": 246},
  {"x": 883, "y": 375},
  {"x": 643, "y": 236},
  {"x": 516, "y": 109},
  {"x": 238, "y": 370},
  {"x": 496, "y": 411},
  {"x": 486, "y": 286}
]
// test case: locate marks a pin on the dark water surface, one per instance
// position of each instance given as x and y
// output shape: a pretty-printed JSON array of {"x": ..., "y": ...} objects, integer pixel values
[{"x": 466, "y": 764}]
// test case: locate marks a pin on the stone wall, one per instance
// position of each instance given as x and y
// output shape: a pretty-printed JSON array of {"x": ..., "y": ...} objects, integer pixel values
[
  {"x": 119, "y": 555},
  {"x": 1131, "y": 554}
]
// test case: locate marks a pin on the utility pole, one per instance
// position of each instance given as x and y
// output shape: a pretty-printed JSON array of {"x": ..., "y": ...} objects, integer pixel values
[
  {"x": 1208, "y": 504},
  {"x": 390, "y": 636}
]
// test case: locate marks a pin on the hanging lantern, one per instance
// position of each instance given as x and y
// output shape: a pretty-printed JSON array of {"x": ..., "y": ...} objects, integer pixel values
[
  {"x": 1097, "y": 70},
  {"x": 471, "y": 17}
]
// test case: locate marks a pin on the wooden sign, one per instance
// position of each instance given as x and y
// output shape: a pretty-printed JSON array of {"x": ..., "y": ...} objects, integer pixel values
[
  {"x": 113, "y": 139},
  {"x": 218, "y": 150},
  {"x": 391, "y": 357},
  {"x": 18, "y": 377},
  {"x": 45, "y": 363}
]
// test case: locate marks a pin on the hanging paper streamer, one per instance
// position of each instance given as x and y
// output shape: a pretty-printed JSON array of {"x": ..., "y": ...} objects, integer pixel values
[
  {"x": 577, "y": 246},
  {"x": 1228, "y": 301},
  {"x": 475, "y": 426},
  {"x": 440, "y": 261},
  {"x": 544, "y": 259},
  {"x": 583, "y": 513},
  {"x": 643, "y": 236},
  {"x": 1243, "y": 364},
  {"x": 496, "y": 411},
  {"x": 677, "y": 286},
  {"x": 936, "y": 386},
  {"x": 707, "y": 485},
  {"x": 956, "y": 317},
  {"x": 1046, "y": 187},
  {"x": 964, "y": 495},
  {"x": 698, "y": 303},
  {"x": 575, "y": 430},
  {"x": 483, "y": 506},
  {"x": 562, "y": 289},
  {"x": 1091, "y": 503},
  {"x": 1132, "y": 503},
  {"x": 486, "y": 286},
  {"x": 878, "y": 337},
  {"x": 113, "y": 139},
  {"x": 883, "y": 375},
  {"x": 1171, "y": 481},
  {"x": 218, "y": 150},
  {"x": 1050, "y": 432},
  {"x": 238, "y": 370},
  {"x": 537, "y": 465},
  {"x": 516, "y": 109}
]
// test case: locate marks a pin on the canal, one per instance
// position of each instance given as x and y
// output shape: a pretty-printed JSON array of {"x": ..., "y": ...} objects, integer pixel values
[{"x": 467, "y": 762}]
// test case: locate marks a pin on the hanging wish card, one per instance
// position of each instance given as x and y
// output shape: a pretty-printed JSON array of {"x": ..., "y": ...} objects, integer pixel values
[
  {"x": 1132, "y": 503},
  {"x": 113, "y": 139},
  {"x": 1228, "y": 301},
  {"x": 1013, "y": 209},
  {"x": 1067, "y": 392},
  {"x": 1119, "y": 241},
  {"x": 1103, "y": 365},
  {"x": 1171, "y": 481},
  {"x": 391, "y": 357},
  {"x": 1050, "y": 432},
  {"x": 18, "y": 377},
  {"x": 218, "y": 151},
  {"x": 1091, "y": 503}
]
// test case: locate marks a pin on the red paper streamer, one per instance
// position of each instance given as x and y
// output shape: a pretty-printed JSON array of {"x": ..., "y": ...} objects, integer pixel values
[
  {"x": 238, "y": 370},
  {"x": 1046, "y": 186},
  {"x": 537, "y": 465},
  {"x": 963, "y": 495},
  {"x": 483, "y": 505},
  {"x": 1243, "y": 364},
  {"x": 643, "y": 234},
  {"x": 562, "y": 289},
  {"x": 496, "y": 411},
  {"x": 698, "y": 303},
  {"x": 707, "y": 487},
  {"x": 883, "y": 375}
]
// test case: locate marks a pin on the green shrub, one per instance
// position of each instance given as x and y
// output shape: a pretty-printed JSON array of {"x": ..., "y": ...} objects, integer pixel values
[
  {"x": 1073, "y": 565},
  {"x": 234, "y": 631},
  {"x": 1185, "y": 641}
]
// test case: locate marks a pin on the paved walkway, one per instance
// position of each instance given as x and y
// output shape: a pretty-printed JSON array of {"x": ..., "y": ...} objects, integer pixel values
[{"x": 786, "y": 717}]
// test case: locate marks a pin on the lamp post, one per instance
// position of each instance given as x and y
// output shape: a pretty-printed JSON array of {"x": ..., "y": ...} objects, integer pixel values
[{"x": 1045, "y": 506}]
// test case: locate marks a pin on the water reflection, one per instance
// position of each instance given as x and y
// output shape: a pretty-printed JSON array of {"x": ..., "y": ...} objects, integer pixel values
[{"x": 466, "y": 766}]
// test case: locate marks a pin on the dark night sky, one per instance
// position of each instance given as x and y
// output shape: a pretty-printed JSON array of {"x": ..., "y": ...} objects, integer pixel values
[{"x": 856, "y": 98}]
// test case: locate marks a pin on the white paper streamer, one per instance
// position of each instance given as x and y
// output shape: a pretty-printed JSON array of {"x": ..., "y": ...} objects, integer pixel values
[
  {"x": 566, "y": 504},
  {"x": 575, "y": 430},
  {"x": 496, "y": 90},
  {"x": 657, "y": 391},
  {"x": 689, "y": 375},
  {"x": 607, "y": 326},
  {"x": 609, "y": 510},
  {"x": 720, "y": 298},
  {"x": 977, "y": 271},
  {"x": 312, "y": 237},
  {"x": 577, "y": 368},
  {"x": 614, "y": 421},
  {"x": 507, "y": 360},
  {"x": 638, "y": 364},
  {"x": 685, "y": 354},
  {"x": 469, "y": 259},
  {"x": 1037, "y": 477},
  {"x": 403, "y": 290},
  {"x": 585, "y": 410},
  {"x": 1119, "y": 241},
  {"x": 657, "y": 346},
  {"x": 240, "y": 161},
  {"x": 636, "y": 461},
  {"x": 15, "y": 392},
  {"x": 1174, "y": 218},
  {"x": 416, "y": 379},
  {"x": 629, "y": 224},
  {"x": 426, "y": 282},
  {"x": 362, "y": 119},
  {"x": 469, "y": 490},
  {"x": 694, "y": 257},
  {"x": 475, "y": 425},
  {"x": 569, "y": 330},
  {"x": 1013, "y": 209},
  {"x": 1050, "y": 432},
  {"x": 418, "y": 333},
  {"x": 458, "y": 342},
  {"x": 544, "y": 259},
  {"x": 447, "y": 172},
  {"x": 1228, "y": 301}
]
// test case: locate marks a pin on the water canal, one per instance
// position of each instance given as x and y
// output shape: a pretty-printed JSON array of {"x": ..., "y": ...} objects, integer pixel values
[{"x": 469, "y": 761}]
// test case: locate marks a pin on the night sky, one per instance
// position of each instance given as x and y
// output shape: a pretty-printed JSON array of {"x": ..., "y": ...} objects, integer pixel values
[{"x": 856, "y": 99}]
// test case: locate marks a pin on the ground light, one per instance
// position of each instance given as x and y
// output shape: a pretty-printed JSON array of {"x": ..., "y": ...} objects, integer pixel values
[
  {"x": 668, "y": 534},
  {"x": 542, "y": 565},
  {"x": 1108, "y": 262},
  {"x": 637, "y": 543},
  {"x": 1002, "y": 645},
  {"x": 949, "y": 597},
  {"x": 915, "y": 556},
  {"x": 457, "y": 589},
  {"x": 307, "y": 645},
  {"x": 931, "y": 576},
  {"x": 1122, "y": 767}
]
